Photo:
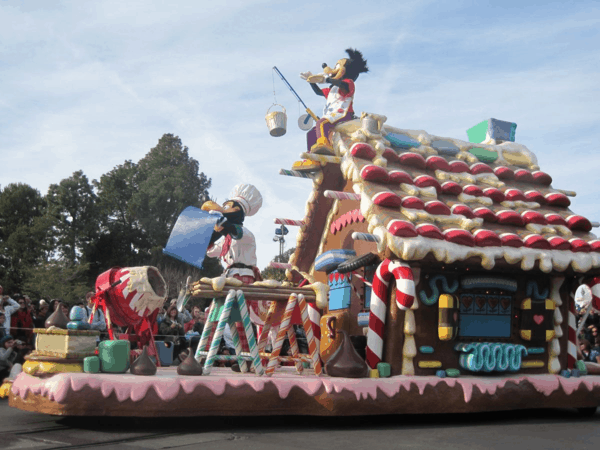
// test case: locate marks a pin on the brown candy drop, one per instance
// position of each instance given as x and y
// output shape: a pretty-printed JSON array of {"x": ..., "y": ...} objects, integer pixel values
[
  {"x": 143, "y": 365},
  {"x": 57, "y": 319},
  {"x": 190, "y": 366},
  {"x": 345, "y": 362}
]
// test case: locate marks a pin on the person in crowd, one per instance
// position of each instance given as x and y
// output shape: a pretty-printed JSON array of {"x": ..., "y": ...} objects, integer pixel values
[
  {"x": 161, "y": 315},
  {"x": 10, "y": 306},
  {"x": 196, "y": 325},
  {"x": 42, "y": 314},
  {"x": 10, "y": 359},
  {"x": 587, "y": 352},
  {"x": 228, "y": 340},
  {"x": 21, "y": 326},
  {"x": 595, "y": 338},
  {"x": 197, "y": 322},
  {"x": 99, "y": 321},
  {"x": 2, "y": 329},
  {"x": 593, "y": 319},
  {"x": 183, "y": 317},
  {"x": 172, "y": 330},
  {"x": 65, "y": 309},
  {"x": 53, "y": 304}
]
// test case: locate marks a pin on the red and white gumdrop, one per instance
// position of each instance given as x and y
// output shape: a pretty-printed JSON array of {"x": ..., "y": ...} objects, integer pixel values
[
  {"x": 387, "y": 199},
  {"x": 459, "y": 236},
  {"x": 374, "y": 174},
  {"x": 511, "y": 240},
  {"x": 504, "y": 173},
  {"x": 402, "y": 228},
  {"x": 412, "y": 159},
  {"x": 462, "y": 210},
  {"x": 412, "y": 202},
  {"x": 363, "y": 151},
  {"x": 400, "y": 177},
  {"x": 487, "y": 238},
  {"x": 430, "y": 231}
]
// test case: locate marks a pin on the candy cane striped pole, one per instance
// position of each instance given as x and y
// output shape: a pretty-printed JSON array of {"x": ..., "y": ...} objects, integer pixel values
[
  {"x": 264, "y": 333},
  {"x": 405, "y": 284},
  {"x": 293, "y": 359},
  {"x": 206, "y": 332},
  {"x": 365, "y": 237},
  {"x": 295, "y": 173},
  {"x": 237, "y": 343},
  {"x": 307, "y": 323},
  {"x": 283, "y": 327},
  {"x": 214, "y": 345},
  {"x": 339, "y": 195},
  {"x": 289, "y": 222},
  {"x": 241, "y": 300},
  {"x": 405, "y": 295},
  {"x": 572, "y": 334},
  {"x": 361, "y": 278},
  {"x": 295, "y": 350},
  {"x": 321, "y": 158},
  {"x": 277, "y": 265},
  {"x": 314, "y": 314}
]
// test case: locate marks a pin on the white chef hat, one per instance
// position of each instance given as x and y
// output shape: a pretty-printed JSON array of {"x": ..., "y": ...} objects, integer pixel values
[{"x": 248, "y": 197}]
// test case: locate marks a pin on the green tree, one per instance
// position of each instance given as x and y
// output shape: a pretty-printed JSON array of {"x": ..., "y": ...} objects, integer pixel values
[
  {"x": 58, "y": 279},
  {"x": 139, "y": 205},
  {"x": 123, "y": 241},
  {"x": 168, "y": 181},
  {"x": 24, "y": 233},
  {"x": 72, "y": 205},
  {"x": 278, "y": 274}
]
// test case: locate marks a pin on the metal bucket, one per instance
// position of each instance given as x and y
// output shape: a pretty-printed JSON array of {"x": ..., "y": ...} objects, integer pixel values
[
  {"x": 276, "y": 121},
  {"x": 140, "y": 292}
]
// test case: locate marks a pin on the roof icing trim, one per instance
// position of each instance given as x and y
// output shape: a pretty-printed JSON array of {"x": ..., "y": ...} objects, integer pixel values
[
  {"x": 444, "y": 251},
  {"x": 417, "y": 248}
]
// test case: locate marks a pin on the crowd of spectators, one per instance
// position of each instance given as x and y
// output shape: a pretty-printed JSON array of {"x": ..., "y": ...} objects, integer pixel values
[
  {"x": 19, "y": 316},
  {"x": 589, "y": 338}
]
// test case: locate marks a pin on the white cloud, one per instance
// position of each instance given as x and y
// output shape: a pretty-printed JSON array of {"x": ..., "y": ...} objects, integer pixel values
[{"x": 89, "y": 85}]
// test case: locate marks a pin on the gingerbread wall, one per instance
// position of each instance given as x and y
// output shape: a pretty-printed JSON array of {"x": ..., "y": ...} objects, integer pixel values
[{"x": 433, "y": 354}]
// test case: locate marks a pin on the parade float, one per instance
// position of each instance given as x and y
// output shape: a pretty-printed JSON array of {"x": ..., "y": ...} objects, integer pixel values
[{"x": 431, "y": 275}]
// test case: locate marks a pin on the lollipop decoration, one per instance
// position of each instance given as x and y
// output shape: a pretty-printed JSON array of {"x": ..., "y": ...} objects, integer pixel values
[{"x": 584, "y": 297}]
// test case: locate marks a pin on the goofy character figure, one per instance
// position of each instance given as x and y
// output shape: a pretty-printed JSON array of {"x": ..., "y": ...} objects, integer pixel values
[{"x": 338, "y": 109}]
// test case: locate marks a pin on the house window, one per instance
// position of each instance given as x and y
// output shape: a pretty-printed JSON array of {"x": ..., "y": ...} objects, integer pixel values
[
  {"x": 369, "y": 273},
  {"x": 340, "y": 290},
  {"x": 485, "y": 314}
]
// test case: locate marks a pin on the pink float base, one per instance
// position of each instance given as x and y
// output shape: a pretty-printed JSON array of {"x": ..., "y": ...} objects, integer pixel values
[{"x": 227, "y": 393}]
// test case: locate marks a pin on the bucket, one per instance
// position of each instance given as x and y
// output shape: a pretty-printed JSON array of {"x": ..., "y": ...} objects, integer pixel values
[
  {"x": 276, "y": 121},
  {"x": 165, "y": 352},
  {"x": 140, "y": 291}
]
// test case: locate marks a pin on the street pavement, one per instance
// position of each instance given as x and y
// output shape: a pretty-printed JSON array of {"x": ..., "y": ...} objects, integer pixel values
[{"x": 531, "y": 429}]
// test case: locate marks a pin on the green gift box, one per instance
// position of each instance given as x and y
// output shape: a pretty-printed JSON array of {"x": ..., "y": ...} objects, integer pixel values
[
  {"x": 91, "y": 364},
  {"x": 114, "y": 356}
]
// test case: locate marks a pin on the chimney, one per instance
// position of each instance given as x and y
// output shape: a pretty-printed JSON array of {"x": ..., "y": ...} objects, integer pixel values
[{"x": 492, "y": 130}]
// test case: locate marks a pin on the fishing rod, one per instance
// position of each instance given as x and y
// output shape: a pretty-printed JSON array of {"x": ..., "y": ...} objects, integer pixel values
[{"x": 312, "y": 114}]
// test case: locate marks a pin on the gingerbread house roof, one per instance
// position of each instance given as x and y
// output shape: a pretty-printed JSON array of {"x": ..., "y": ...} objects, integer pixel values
[{"x": 424, "y": 195}]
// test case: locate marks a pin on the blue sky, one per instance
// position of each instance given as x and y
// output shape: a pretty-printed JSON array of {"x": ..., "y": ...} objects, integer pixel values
[{"x": 87, "y": 85}]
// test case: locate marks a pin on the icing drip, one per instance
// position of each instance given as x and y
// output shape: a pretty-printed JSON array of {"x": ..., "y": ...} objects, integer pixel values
[
  {"x": 130, "y": 387},
  {"x": 409, "y": 350},
  {"x": 554, "y": 365},
  {"x": 417, "y": 248}
]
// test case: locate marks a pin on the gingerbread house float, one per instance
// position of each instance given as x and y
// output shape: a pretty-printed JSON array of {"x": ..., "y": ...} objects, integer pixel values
[
  {"x": 475, "y": 256},
  {"x": 450, "y": 265}
]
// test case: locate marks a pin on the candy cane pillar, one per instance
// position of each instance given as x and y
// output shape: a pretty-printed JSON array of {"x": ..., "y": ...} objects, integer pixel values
[
  {"x": 405, "y": 296},
  {"x": 572, "y": 333},
  {"x": 594, "y": 284}
]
